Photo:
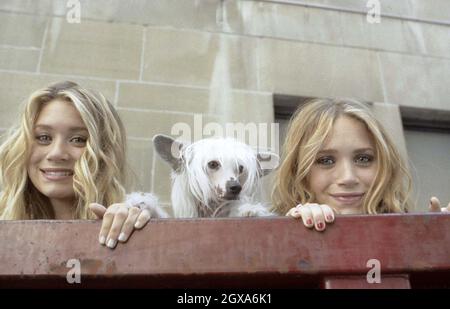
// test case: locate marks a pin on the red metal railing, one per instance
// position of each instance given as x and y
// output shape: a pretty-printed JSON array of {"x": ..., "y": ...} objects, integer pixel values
[{"x": 413, "y": 251}]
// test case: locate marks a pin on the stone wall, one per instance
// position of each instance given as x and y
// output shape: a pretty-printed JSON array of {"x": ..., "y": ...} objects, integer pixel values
[{"x": 160, "y": 62}]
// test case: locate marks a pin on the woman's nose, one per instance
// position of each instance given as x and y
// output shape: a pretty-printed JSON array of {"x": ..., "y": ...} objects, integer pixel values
[
  {"x": 346, "y": 174},
  {"x": 58, "y": 151}
]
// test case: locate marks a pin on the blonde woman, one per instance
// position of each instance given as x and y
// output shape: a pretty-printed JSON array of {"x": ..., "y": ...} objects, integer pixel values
[
  {"x": 65, "y": 159},
  {"x": 339, "y": 159}
]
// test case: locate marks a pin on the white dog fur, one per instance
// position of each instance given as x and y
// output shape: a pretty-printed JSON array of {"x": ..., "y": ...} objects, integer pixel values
[
  {"x": 215, "y": 177},
  {"x": 146, "y": 201}
]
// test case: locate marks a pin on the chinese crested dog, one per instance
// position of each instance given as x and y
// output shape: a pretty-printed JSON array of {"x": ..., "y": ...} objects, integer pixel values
[{"x": 215, "y": 177}]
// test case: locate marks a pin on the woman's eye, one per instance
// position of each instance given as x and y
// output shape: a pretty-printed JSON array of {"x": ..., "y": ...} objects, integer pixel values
[
  {"x": 43, "y": 139},
  {"x": 78, "y": 140},
  {"x": 327, "y": 161},
  {"x": 364, "y": 159},
  {"x": 213, "y": 165}
]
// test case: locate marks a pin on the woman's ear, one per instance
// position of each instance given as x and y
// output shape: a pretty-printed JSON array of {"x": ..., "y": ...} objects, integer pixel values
[
  {"x": 168, "y": 149},
  {"x": 268, "y": 161}
]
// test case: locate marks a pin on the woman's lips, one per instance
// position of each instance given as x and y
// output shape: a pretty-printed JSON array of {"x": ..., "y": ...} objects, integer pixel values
[
  {"x": 57, "y": 174},
  {"x": 348, "y": 198}
]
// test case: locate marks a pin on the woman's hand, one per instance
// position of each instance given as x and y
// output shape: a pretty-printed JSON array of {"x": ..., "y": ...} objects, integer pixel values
[
  {"x": 119, "y": 221},
  {"x": 435, "y": 205},
  {"x": 313, "y": 215}
]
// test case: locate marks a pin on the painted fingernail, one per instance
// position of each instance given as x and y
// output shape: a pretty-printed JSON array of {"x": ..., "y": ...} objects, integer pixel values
[
  {"x": 309, "y": 222},
  {"x": 111, "y": 243},
  {"x": 320, "y": 225},
  {"x": 102, "y": 239},
  {"x": 122, "y": 237}
]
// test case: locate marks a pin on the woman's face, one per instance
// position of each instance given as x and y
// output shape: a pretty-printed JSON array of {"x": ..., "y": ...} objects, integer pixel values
[
  {"x": 345, "y": 167},
  {"x": 59, "y": 140}
]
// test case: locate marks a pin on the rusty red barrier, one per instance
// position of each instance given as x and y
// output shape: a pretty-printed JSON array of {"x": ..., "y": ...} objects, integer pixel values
[{"x": 413, "y": 250}]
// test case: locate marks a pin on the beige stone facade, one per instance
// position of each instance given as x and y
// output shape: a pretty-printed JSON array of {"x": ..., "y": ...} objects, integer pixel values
[{"x": 163, "y": 61}]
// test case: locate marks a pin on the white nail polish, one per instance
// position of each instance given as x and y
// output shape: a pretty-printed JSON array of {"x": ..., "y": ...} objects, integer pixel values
[
  {"x": 102, "y": 240},
  {"x": 122, "y": 237},
  {"x": 111, "y": 243}
]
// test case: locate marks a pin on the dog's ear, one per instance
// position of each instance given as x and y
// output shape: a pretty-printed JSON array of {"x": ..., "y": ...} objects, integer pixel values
[
  {"x": 168, "y": 149},
  {"x": 268, "y": 161}
]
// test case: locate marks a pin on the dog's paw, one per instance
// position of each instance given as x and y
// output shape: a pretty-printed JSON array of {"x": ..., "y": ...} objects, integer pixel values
[
  {"x": 250, "y": 213},
  {"x": 251, "y": 210},
  {"x": 147, "y": 201}
]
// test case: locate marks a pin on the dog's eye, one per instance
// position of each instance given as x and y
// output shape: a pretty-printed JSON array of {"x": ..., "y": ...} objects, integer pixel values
[
  {"x": 213, "y": 165},
  {"x": 241, "y": 169}
]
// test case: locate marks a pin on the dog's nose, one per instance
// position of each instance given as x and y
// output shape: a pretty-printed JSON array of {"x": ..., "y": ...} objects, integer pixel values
[{"x": 234, "y": 187}]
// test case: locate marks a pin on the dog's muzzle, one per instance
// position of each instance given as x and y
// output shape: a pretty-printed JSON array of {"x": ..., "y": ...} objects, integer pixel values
[{"x": 233, "y": 188}]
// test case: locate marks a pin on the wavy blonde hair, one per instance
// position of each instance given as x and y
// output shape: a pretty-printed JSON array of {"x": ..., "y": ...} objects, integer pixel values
[
  {"x": 99, "y": 174},
  {"x": 307, "y": 131}
]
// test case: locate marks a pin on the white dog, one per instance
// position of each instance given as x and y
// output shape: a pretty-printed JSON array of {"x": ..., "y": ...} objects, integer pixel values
[{"x": 215, "y": 177}]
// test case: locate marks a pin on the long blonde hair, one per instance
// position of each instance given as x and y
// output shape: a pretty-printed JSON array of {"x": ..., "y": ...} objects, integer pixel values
[
  {"x": 307, "y": 131},
  {"x": 99, "y": 174}
]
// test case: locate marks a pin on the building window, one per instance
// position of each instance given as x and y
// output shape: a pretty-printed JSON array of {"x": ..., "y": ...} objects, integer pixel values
[{"x": 427, "y": 136}]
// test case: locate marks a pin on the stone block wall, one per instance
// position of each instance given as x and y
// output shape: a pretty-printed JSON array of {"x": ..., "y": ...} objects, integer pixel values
[{"x": 163, "y": 61}]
